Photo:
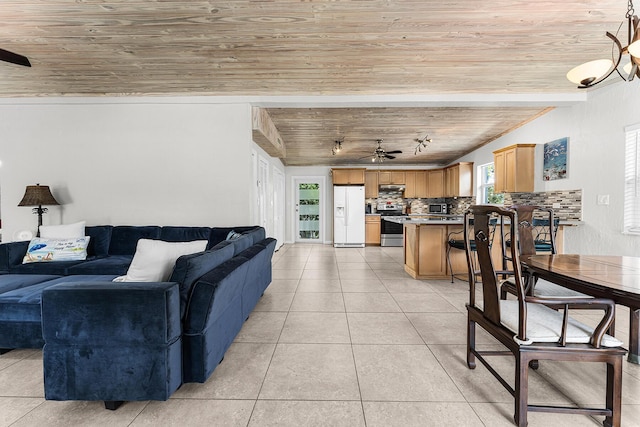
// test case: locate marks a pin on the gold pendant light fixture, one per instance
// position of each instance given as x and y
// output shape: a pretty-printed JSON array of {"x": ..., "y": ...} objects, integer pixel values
[{"x": 593, "y": 72}]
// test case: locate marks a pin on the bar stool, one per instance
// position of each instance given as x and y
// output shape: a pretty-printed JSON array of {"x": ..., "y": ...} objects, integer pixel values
[{"x": 455, "y": 240}]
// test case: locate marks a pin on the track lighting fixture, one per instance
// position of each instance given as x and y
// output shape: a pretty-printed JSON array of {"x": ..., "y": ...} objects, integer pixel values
[
  {"x": 422, "y": 143},
  {"x": 337, "y": 147}
]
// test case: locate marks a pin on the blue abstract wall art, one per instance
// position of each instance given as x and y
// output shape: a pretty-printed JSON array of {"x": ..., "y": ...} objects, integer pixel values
[{"x": 555, "y": 159}]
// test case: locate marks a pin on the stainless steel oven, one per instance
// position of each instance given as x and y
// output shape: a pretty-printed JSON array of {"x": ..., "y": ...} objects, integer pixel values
[{"x": 390, "y": 232}]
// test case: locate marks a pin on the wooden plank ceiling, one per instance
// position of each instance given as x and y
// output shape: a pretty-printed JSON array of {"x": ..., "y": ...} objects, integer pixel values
[
  {"x": 319, "y": 47},
  {"x": 454, "y": 132}
]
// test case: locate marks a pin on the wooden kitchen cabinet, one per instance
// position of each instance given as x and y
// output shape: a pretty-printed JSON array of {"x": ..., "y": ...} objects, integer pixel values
[
  {"x": 422, "y": 191},
  {"x": 424, "y": 251},
  {"x": 459, "y": 180},
  {"x": 514, "y": 168},
  {"x": 416, "y": 184},
  {"x": 348, "y": 176},
  {"x": 410, "y": 185},
  {"x": 391, "y": 177},
  {"x": 371, "y": 184},
  {"x": 372, "y": 225},
  {"x": 397, "y": 177},
  {"x": 436, "y": 183}
]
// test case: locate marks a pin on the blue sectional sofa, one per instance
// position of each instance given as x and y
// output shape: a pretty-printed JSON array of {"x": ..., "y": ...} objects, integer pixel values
[{"x": 117, "y": 342}]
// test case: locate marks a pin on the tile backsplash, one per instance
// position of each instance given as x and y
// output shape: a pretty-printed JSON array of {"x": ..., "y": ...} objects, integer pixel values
[{"x": 570, "y": 202}]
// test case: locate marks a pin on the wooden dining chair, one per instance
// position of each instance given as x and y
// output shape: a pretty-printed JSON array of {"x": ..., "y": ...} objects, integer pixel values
[
  {"x": 531, "y": 329},
  {"x": 455, "y": 240},
  {"x": 537, "y": 228}
]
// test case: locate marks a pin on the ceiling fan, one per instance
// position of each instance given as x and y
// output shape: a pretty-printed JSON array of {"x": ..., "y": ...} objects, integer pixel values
[
  {"x": 379, "y": 154},
  {"x": 14, "y": 58}
]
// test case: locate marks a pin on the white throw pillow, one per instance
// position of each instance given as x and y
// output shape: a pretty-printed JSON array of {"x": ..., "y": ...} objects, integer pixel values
[
  {"x": 62, "y": 231},
  {"x": 50, "y": 250},
  {"x": 154, "y": 259}
]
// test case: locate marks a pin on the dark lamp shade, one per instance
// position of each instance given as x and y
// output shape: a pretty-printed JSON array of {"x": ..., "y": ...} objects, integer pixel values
[{"x": 37, "y": 195}]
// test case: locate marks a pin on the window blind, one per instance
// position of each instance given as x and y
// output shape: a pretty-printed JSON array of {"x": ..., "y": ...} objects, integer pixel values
[{"x": 632, "y": 181}]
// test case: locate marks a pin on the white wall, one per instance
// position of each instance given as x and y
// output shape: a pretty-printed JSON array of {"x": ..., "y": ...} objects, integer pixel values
[
  {"x": 596, "y": 163},
  {"x": 124, "y": 162},
  {"x": 273, "y": 164}
]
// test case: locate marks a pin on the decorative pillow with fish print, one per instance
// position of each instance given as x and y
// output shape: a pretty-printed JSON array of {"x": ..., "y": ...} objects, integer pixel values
[{"x": 47, "y": 250}]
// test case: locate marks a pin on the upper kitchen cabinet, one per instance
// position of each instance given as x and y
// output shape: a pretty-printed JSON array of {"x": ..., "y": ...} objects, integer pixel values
[
  {"x": 416, "y": 184},
  {"x": 371, "y": 184},
  {"x": 458, "y": 180},
  {"x": 391, "y": 177},
  {"x": 348, "y": 176},
  {"x": 514, "y": 168},
  {"x": 435, "y": 179}
]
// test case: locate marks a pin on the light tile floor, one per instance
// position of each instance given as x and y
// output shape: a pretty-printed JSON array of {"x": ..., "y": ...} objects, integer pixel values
[{"x": 342, "y": 337}]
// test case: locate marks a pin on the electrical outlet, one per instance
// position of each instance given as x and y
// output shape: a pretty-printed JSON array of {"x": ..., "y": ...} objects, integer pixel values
[
  {"x": 603, "y": 199},
  {"x": 556, "y": 206}
]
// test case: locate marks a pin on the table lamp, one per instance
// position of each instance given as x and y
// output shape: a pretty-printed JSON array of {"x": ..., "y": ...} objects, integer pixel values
[{"x": 38, "y": 195}]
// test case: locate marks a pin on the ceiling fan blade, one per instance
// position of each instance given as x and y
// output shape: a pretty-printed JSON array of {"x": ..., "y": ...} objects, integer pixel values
[
  {"x": 14, "y": 58},
  {"x": 389, "y": 157},
  {"x": 394, "y": 152}
]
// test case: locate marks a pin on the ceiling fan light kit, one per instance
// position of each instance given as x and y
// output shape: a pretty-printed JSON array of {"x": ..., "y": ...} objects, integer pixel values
[
  {"x": 379, "y": 154},
  {"x": 593, "y": 72}
]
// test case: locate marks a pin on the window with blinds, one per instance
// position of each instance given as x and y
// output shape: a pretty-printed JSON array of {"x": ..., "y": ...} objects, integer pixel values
[{"x": 632, "y": 181}]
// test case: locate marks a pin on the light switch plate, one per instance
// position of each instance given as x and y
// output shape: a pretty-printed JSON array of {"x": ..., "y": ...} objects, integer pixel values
[{"x": 603, "y": 199}]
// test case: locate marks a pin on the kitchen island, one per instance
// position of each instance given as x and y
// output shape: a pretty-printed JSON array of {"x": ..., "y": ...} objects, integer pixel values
[
  {"x": 425, "y": 241},
  {"x": 425, "y": 246}
]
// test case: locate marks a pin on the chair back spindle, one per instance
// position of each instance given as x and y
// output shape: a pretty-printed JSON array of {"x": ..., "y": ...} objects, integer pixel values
[{"x": 484, "y": 219}]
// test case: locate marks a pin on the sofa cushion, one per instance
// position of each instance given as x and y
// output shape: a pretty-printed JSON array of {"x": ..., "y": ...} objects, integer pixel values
[
  {"x": 241, "y": 244},
  {"x": 155, "y": 259},
  {"x": 11, "y": 254},
  {"x": 256, "y": 235},
  {"x": 59, "y": 268},
  {"x": 124, "y": 238},
  {"x": 219, "y": 234},
  {"x": 11, "y": 282},
  {"x": 113, "y": 264},
  {"x": 23, "y": 304},
  {"x": 100, "y": 239},
  {"x": 58, "y": 249},
  {"x": 62, "y": 231},
  {"x": 189, "y": 268},
  {"x": 184, "y": 234}
]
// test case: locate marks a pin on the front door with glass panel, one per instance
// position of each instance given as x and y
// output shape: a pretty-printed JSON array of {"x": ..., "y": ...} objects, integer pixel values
[{"x": 308, "y": 211}]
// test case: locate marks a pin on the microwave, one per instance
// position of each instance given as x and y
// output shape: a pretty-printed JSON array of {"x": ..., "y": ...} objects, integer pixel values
[{"x": 438, "y": 208}]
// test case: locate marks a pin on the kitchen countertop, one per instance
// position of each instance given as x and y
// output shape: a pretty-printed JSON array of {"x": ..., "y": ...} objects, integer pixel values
[
  {"x": 426, "y": 219},
  {"x": 440, "y": 219}
]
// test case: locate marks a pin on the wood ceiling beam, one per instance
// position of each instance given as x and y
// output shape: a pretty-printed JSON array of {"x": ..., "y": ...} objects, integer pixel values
[{"x": 265, "y": 133}]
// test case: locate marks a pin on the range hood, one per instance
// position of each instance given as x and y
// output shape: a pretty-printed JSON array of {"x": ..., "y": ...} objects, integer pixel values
[{"x": 391, "y": 189}]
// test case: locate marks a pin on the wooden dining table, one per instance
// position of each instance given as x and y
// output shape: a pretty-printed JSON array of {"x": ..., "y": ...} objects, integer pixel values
[{"x": 602, "y": 276}]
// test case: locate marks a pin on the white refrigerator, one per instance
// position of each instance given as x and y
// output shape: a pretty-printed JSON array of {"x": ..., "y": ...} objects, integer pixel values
[{"x": 348, "y": 216}]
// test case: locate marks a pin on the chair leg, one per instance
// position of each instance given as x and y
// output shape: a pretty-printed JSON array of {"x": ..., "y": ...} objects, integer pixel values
[
  {"x": 614, "y": 393},
  {"x": 449, "y": 261},
  {"x": 471, "y": 344},
  {"x": 522, "y": 390}
]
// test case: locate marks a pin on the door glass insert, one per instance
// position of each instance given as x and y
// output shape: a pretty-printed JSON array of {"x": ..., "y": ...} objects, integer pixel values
[{"x": 309, "y": 211}]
